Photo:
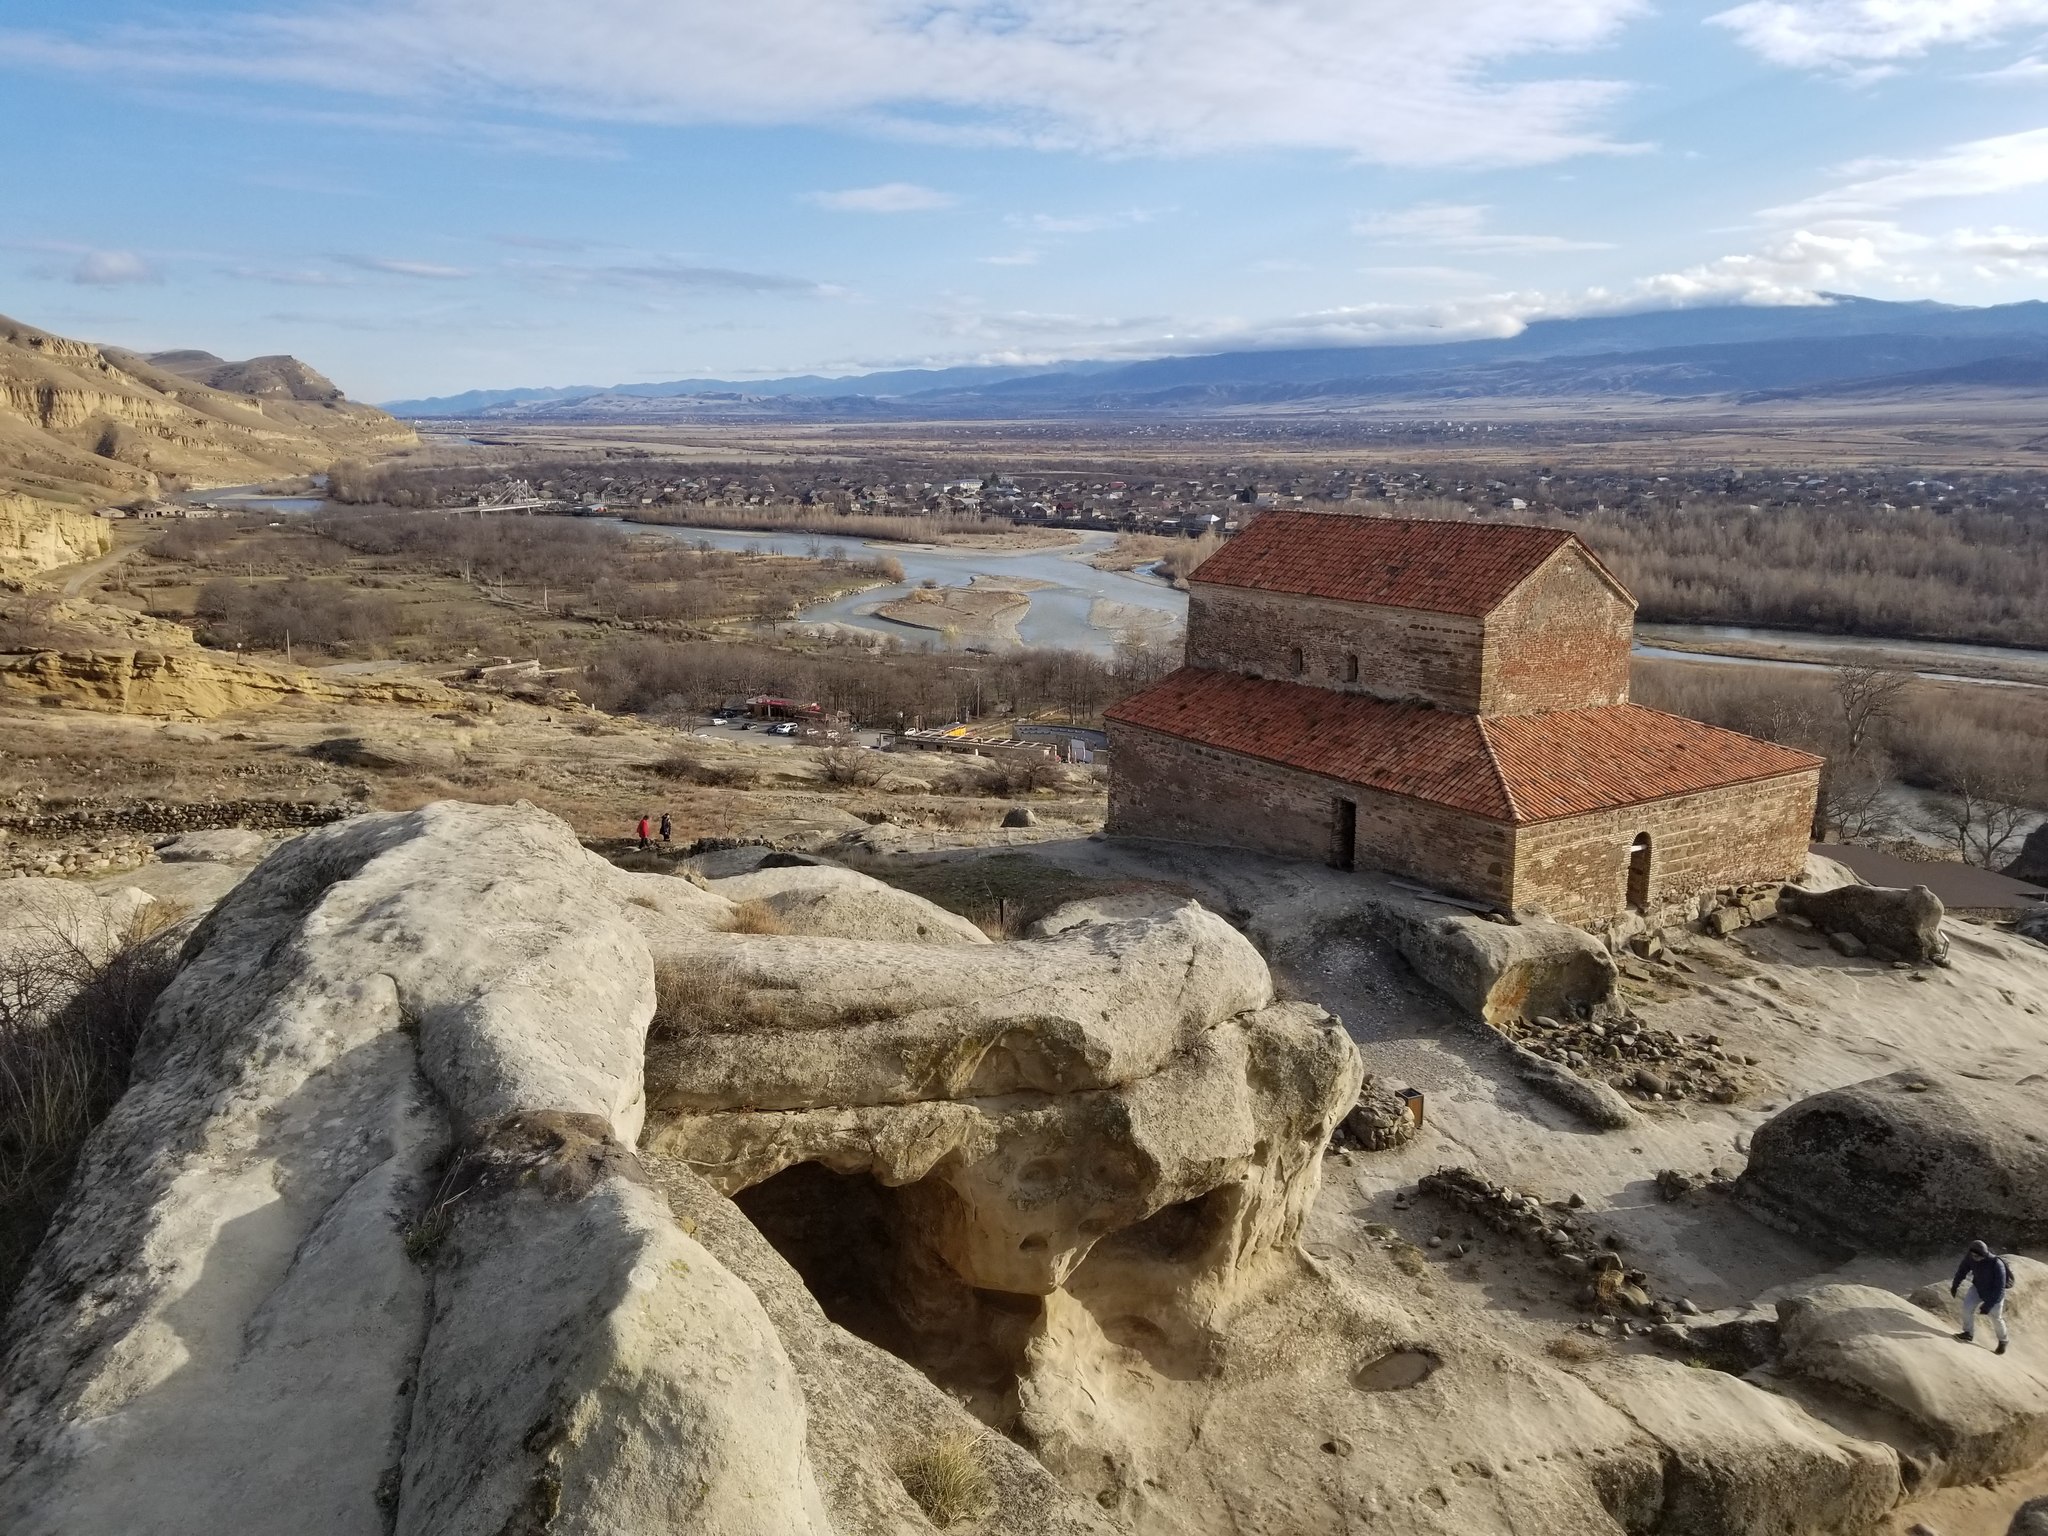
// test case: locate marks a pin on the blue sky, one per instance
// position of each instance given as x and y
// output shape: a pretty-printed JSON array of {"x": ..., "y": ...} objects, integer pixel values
[{"x": 423, "y": 196}]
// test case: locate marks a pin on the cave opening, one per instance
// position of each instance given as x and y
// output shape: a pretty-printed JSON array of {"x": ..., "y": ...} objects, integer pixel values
[{"x": 862, "y": 1250}]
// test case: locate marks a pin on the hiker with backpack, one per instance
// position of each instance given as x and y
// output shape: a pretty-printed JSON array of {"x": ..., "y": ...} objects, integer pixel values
[{"x": 1990, "y": 1278}]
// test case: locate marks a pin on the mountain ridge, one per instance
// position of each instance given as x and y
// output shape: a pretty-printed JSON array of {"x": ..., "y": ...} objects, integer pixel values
[{"x": 1729, "y": 350}]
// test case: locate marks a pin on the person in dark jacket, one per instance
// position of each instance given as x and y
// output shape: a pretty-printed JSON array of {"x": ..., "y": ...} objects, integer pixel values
[
  {"x": 668, "y": 831},
  {"x": 644, "y": 828},
  {"x": 1990, "y": 1278}
]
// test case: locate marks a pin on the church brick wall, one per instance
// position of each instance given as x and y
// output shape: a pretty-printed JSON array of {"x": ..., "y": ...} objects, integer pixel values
[
  {"x": 1166, "y": 787},
  {"x": 1402, "y": 653},
  {"x": 1560, "y": 640},
  {"x": 1737, "y": 834}
]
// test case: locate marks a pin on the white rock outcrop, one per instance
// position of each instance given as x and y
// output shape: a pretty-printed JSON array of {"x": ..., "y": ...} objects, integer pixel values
[{"x": 365, "y": 1247}]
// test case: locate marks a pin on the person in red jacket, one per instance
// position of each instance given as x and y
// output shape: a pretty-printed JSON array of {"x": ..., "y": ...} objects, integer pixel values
[{"x": 644, "y": 830}]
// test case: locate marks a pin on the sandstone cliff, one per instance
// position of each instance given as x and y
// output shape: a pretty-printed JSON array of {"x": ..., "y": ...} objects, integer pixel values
[
  {"x": 188, "y": 683},
  {"x": 82, "y": 425}
]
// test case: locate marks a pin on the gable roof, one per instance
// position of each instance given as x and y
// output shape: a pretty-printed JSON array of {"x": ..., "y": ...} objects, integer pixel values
[
  {"x": 1508, "y": 768},
  {"x": 1395, "y": 562}
]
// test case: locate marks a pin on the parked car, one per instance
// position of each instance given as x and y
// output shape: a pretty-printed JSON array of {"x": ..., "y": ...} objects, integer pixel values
[{"x": 786, "y": 728}]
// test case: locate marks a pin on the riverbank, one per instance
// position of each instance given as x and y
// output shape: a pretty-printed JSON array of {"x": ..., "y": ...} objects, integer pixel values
[
  {"x": 953, "y": 532},
  {"x": 1934, "y": 659}
]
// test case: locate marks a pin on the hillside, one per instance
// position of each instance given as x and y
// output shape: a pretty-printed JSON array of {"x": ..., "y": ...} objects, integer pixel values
[
  {"x": 82, "y": 426},
  {"x": 1729, "y": 352}
]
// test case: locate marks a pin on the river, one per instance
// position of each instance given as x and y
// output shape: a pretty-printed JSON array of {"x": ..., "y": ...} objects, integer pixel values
[
  {"x": 1082, "y": 608},
  {"x": 1064, "y": 613}
]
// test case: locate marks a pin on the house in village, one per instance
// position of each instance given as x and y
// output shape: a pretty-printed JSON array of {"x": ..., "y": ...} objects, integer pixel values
[{"x": 1446, "y": 701}]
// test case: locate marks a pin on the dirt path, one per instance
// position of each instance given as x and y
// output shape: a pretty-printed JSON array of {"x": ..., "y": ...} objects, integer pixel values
[{"x": 92, "y": 570}]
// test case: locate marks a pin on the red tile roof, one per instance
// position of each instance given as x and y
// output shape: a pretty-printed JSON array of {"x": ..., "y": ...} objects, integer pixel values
[
  {"x": 1396, "y": 562},
  {"x": 1510, "y": 768}
]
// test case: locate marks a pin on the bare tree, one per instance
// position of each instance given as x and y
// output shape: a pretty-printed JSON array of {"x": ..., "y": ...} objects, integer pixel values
[
  {"x": 1869, "y": 697},
  {"x": 1981, "y": 818},
  {"x": 1856, "y": 804}
]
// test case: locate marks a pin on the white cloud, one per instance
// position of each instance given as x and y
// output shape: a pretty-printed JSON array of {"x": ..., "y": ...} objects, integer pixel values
[
  {"x": 291, "y": 277},
  {"x": 657, "y": 274},
  {"x": 2002, "y": 252},
  {"x": 1799, "y": 267},
  {"x": 1464, "y": 82},
  {"x": 890, "y": 197},
  {"x": 1460, "y": 227},
  {"x": 1871, "y": 36},
  {"x": 110, "y": 269},
  {"x": 1026, "y": 258},
  {"x": 432, "y": 271},
  {"x": 1078, "y": 224},
  {"x": 1979, "y": 168}
]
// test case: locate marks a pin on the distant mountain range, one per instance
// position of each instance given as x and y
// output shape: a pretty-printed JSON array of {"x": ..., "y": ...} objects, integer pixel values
[{"x": 1845, "y": 347}]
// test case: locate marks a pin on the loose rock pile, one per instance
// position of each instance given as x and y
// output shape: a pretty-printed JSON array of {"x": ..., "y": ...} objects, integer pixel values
[
  {"x": 1379, "y": 1122},
  {"x": 1562, "y": 1233},
  {"x": 105, "y": 856},
  {"x": 1656, "y": 1065},
  {"x": 170, "y": 816}
]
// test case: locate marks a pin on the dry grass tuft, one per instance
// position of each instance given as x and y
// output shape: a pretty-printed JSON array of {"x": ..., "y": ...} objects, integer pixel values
[
  {"x": 1578, "y": 1348},
  {"x": 69, "y": 1024},
  {"x": 949, "y": 1478},
  {"x": 755, "y": 916}
]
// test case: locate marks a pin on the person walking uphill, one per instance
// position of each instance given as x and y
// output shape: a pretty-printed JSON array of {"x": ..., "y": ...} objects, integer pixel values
[
  {"x": 645, "y": 828},
  {"x": 1990, "y": 1278},
  {"x": 668, "y": 830}
]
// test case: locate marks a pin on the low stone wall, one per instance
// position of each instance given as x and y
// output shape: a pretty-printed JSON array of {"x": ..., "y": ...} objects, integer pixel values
[{"x": 173, "y": 816}]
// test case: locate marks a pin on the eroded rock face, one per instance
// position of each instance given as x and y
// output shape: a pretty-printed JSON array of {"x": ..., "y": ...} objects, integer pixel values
[
  {"x": 1909, "y": 1163},
  {"x": 365, "y": 1247},
  {"x": 1893, "y": 924}
]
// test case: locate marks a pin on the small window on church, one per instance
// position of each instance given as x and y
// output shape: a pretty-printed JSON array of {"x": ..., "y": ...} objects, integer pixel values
[
  {"x": 1296, "y": 662},
  {"x": 1351, "y": 668}
]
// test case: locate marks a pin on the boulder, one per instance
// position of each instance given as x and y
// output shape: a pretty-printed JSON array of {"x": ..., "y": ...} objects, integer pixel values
[
  {"x": 2031, "y": 862},
  {"x": 1593, "y": 1101},
  {"x": 1503, "y": 971},
  {"x": 1906, "y": 1164},
  {"x": 1020, "y": 816},
  {"x": 1825, "y": 874},
  {"x": 1896, "y": 924},
  {"x": 1741, "y": 1461},
  {"x": 2030, "y": 1519},
  {"x": 221, "y": 845},
  {"x": 1966, "y": 1415},
  {"x": 2033, "y": 925},
  {"x": 826, "y": 901}
]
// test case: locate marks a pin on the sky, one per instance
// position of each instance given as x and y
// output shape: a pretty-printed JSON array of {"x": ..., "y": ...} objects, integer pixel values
[{"x": 425, "y": 196}]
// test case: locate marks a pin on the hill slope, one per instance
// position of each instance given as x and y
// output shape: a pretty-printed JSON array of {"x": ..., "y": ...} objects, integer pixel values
[{"x": 81, "y": 426}]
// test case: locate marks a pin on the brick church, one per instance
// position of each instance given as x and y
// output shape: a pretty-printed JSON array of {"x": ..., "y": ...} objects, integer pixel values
[{"x": 1446, "y": 701}]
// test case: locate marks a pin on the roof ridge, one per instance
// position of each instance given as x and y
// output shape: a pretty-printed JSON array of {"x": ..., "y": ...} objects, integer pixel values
[
  {"x": 1708, "y": 725},
  {"x": 1500, "y": 774}
]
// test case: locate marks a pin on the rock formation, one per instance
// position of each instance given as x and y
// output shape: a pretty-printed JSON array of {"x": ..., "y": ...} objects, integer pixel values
[
  {"x": 193, "y": 683},
  {"x": 2031, "y": 862},
  {"x": 81, "y": 426},
  {"x": 469, "y": 1184},
  {"x": 1890, "y": 924},
  {"x": 1906, "y": 1164}
]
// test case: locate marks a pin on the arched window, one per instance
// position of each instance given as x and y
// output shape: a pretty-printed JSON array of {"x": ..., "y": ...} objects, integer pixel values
[
  {"x": 1639, "y": 872},
  {"x": 1351, "y": 668},
  {"x": 1296, "y": 662}
]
